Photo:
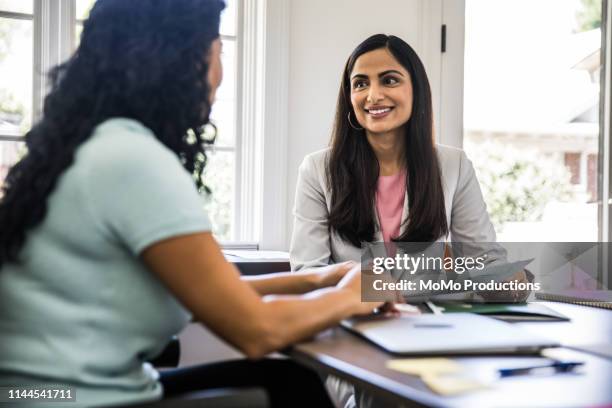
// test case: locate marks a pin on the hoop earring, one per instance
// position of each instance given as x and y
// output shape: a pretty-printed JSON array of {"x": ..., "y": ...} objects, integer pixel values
[{"x": 351, "y": 123}]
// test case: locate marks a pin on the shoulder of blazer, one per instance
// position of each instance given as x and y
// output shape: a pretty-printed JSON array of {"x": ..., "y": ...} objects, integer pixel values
[
  {"x": 319, "y": 158},
  {"x": 454, "y": 167},
  {"x": 450, "y": 159},
  {"x": 448, "y": 154},
  {"x": 316, "y": 163}
]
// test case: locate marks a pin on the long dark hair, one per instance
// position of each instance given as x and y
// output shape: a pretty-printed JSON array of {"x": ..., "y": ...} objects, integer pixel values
[
  {"x": 353, "y": 169},
  {"x": 144, "y": 60}
]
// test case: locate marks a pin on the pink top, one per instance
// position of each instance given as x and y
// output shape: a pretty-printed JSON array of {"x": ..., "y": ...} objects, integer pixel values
[{"x": 390, "y": 194}]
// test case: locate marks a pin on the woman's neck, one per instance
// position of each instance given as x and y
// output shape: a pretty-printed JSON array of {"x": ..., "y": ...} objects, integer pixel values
[{"x": 389, "y": 150}]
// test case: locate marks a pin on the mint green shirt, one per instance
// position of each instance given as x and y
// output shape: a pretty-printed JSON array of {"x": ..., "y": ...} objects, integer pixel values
[{"x": 82, "y": 309}]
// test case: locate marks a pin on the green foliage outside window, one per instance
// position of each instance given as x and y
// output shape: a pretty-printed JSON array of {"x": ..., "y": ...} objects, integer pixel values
[
  {"x": 12, "y": 111},
  {"x": 219, "y": 177},
  {"x": 517, "y": 184},
  {"x": 589, "y": 15}
]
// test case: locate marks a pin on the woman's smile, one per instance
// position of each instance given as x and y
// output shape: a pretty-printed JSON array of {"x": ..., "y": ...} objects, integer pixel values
[{"x": 379, "y": 112}]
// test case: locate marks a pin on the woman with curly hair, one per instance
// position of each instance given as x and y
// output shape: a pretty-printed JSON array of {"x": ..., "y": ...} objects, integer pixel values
[{"x": 105, "y": 251}]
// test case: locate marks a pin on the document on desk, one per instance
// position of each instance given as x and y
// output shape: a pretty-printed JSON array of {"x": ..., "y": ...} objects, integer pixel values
[
  {"x": 447, "y": 334},
  {"x": 441, "y": 375}
]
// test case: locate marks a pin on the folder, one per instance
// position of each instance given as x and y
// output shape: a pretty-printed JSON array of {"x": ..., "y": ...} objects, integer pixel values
[{"x": 526, "y": 312}]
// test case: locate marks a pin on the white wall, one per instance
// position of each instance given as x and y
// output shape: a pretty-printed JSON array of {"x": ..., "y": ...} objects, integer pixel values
[{"x": 322, "y": 34}]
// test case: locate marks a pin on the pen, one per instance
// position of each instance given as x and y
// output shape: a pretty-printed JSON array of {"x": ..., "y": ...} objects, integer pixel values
[
  {"x": 558, "y": 366},
  {"x": 434, "y": 309}
]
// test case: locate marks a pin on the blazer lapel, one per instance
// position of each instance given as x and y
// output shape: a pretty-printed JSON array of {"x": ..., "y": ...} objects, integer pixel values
[
  {"x": 378, "y": 237},
  {"x": 404, "y": 214}
]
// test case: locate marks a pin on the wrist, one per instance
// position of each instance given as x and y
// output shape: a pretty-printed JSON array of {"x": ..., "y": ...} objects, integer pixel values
[
  {"x": 353, "y": 301},
  {"x": 314, "y": 281}
]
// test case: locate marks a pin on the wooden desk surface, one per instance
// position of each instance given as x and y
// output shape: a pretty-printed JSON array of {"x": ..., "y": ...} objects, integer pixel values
[
  {"x": 341, "y": 353},
  {"x": 258, "y": 266}
]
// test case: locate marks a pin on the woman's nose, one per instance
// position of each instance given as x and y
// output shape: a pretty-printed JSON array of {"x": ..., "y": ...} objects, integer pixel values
[{"x": 374, "y": 94}]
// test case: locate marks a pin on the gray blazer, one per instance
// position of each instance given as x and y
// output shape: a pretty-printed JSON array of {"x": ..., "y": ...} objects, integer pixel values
[{"x": 312, "y": 244}]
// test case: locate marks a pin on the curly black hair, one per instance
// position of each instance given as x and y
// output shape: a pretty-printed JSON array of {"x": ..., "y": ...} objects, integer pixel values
[{"x": 144, "y": 60}]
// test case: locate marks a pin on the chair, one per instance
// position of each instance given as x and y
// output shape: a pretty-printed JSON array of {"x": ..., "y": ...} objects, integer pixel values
[
  {"x": 218, "y": 397},
  {"x": 170, "y": 356}
]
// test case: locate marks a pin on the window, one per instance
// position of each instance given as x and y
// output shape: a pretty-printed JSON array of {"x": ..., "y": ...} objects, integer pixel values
[
  {"x": 81, "y": 12},
  {"x": 16, "y": 52},
  {"x": 531, "y": 115},
  {"x": 18, "y": 101},
  {"x": 220, "y": 173}
]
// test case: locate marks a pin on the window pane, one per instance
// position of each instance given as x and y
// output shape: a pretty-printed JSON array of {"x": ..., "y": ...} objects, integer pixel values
[
  {"x": 228, "y": 19},
  {"x": 83, "y": 7},
  {"x": 219, "y": 176},
  {"x": 532, "y": 114},
  {"x": 224, "y": 109},
  {"x": 78, "y": 29},
  {"x": 16, "y": 50},
  {"x": 17, "y": 6},
  {"x": 227, "y": 90},
  {"x": 224, "y": 117},
  {"x": 10, "y": 152}
]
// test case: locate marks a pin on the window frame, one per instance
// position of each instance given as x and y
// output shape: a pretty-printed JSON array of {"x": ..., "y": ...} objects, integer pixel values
[
  {"x": 605, "y": 144},
  {"x": 263, "y": 53}
]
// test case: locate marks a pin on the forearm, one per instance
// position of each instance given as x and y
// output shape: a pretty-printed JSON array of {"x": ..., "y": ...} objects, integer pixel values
[
  {"x": 284, "y": 283},
  {"x": 288, "y": 321},
  {"x": 195, "y": 271}
]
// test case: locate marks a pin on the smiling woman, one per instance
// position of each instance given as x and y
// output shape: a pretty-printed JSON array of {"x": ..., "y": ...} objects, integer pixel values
[
  {"x": 382, "y": 142},
  {"x": 384, "y": 178}
]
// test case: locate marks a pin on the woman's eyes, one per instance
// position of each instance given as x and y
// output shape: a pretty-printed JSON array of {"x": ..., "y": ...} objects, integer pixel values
[
  {"x": 388, "y": 80},
  {"x": 359, "y": 84}
]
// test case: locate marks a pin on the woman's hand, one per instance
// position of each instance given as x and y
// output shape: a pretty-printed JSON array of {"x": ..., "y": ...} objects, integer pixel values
[
  {"x": 304, "y": 281},
  {"x": 509, "y": 296},
  {"x": 519, "y": 295},
  {"x": 352, "y": 283},
  {"x": 332, "y": 274}
]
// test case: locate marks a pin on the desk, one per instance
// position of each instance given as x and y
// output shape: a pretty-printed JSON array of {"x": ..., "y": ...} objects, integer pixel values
[
  {"x": 248, "y": 266},
  {"x": 338, "y": 352}
]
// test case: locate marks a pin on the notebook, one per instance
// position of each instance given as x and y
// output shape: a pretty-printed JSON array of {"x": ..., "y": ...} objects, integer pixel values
[
  {"x": 447, "y": 334},
  {"x": 594, "y": 298},
  {"x": 601, "y": 350},
  {"x": 525, "y": 312}
]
